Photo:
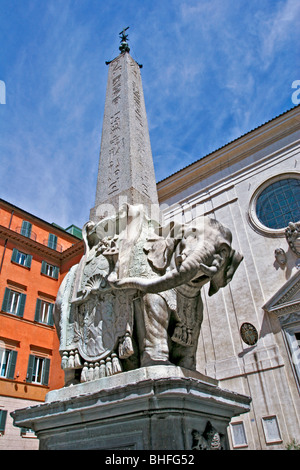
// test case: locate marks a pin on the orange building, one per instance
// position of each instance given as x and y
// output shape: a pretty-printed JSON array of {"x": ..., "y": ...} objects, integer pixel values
[{"x": 34, "y": 257}]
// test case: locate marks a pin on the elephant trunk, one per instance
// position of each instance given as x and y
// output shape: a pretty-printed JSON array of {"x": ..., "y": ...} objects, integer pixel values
[{"x": 185, "y": 271}]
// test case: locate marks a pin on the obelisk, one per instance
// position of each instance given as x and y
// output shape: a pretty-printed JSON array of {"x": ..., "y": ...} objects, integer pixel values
[{"x": 126, "y": 171}]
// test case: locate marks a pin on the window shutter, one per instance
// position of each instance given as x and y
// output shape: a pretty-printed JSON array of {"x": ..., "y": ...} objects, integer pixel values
[
  {"x": 3, "y": 414},
  {"x": 37, "y": 310},
  {"x": 21, "y": 305},
  {"x": 12, "y": 365},
  {"x": 52, "y": 241},
  {"x": 46, "y": 372},
  {"x": 50, "y": 321},
  {"x": 56, "y": 272},
  {"x": 44, "y": 266},
  {"x": 30, "y": 368},
  {"x": 28, "y": 261},
  {"x": 26, "y": 228},
  {"x": 15, "y": 255},
  {"x": 5, "y": 299}
]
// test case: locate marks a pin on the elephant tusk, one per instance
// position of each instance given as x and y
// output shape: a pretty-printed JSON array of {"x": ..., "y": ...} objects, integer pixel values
[{"x": 208, "y": 270}]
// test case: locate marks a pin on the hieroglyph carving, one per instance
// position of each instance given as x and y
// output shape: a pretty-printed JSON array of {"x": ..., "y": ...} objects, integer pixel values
[{"x": 135, "y": 297}]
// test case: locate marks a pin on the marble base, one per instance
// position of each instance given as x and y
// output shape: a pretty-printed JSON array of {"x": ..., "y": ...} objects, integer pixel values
[{"x": 152, "y": 408}]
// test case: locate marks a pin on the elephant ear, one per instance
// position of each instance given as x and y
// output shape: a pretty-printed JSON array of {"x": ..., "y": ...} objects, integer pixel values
[
  {"x": 159, "y": 252},
  {"x": 224, "y": 276}
]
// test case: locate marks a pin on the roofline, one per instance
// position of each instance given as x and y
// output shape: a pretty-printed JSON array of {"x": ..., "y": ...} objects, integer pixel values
[
  {"x": 234, "y": 151},
  {"x": 52, "y": 225},
  {"x": 229, "y": 143}
]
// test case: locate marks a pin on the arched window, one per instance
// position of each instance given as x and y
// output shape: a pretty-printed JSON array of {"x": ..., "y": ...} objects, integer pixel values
[
  {"x": 279, "y": 203},
  {"x": 276, "y": 203}
]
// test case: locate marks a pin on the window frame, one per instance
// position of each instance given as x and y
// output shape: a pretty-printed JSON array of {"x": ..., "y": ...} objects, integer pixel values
[
  {"x": 10, "y": 363},
  {"x": 39, "y": 309},
  {"x": 33, "y": 370},
  {"x": 52, "y": 241},
  {"x": 26, "y": 228},
  {"x": 269, "y": 440},
  {"x": 3, "y": 416},
  {"x": 290, "y": 331},
  {"x": 45, "y": 270},
  {"x": 16, "y": 259},
  {"x": 19, "y": 311},
  {"x": 256, "y": 224},
  {"x": 234, "y": 444}
]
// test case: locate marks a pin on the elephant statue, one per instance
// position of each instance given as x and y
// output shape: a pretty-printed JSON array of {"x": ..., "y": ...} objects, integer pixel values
[
  {"x": 134, "y": 299},
  {"x": 169, "y": 310}
]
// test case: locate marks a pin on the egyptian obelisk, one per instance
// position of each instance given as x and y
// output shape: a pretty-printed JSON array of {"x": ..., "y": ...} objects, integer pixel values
[{"x": 126, "y": 171}]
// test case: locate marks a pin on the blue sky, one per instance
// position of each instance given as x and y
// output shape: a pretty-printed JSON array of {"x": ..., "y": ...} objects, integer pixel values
[{"x": 212, "y": 71}]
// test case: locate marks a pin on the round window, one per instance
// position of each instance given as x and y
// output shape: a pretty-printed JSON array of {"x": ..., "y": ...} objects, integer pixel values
[{"x": 279, "y": 203}]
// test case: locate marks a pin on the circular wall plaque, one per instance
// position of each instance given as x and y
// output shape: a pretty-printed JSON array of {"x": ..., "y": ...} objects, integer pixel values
[{"x": 249, "y": 334}]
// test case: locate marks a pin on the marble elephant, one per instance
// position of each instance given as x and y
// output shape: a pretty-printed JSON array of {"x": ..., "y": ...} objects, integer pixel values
[
  {"x": 169, "y": 310},
  {"x": 134, "y": 299}
]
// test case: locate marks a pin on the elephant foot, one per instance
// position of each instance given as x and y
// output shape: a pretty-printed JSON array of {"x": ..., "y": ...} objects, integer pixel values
[{"x": 147, "y": 361}]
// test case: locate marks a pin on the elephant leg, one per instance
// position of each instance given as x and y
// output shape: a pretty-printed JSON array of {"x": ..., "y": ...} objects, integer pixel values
[
  {"x": 185, "y": 356},
  {"x": 156, "y": 320}
]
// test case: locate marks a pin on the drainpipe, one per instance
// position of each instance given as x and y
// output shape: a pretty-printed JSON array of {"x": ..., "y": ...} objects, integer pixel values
[{"x": 3, "y": 254}]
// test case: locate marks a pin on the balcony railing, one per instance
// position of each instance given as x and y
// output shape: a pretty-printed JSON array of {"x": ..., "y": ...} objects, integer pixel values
[
  {"x": 56, "y": 247},
  {"x": 32, "y": 235}
]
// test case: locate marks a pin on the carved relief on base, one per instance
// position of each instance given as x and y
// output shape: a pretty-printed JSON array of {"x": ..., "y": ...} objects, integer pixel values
[{"x": 210, "y": 439}]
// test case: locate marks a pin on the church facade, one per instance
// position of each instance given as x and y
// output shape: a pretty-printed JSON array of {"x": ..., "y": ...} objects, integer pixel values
[{"x": 251, "y": 329}]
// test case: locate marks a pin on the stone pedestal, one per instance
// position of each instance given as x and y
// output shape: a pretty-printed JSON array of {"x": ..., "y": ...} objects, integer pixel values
[{"x": 152, "y": 408}]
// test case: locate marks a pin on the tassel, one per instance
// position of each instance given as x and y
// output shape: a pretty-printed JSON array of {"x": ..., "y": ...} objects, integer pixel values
[
  {"x": 96, "y": 371},
  {"x": 108, "y": 366},
  {"x": 126, "y": 348},
  {"x": 77, "y": 361},
  {"x": 121, "y": 349},
  {"x": 90, "y": 375},
  {"x": 64, "y": 360},
  {"x": 83, "y": 377},
  {"x": 71, "y": 360},
  {"x": 102, "y": 370},
  {"x": 116, "y": 365}
]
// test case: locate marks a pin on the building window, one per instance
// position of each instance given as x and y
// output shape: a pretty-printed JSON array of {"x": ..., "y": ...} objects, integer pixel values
[
  {"x": 3, "y": 414},
  {"x": 21, "y": 258},
  {"x": 279, "y": 203},
  {"x": 271, "y": 429},
  {"x": 238, "y": 434},
  {"x": 26, "y": 229},
  {"x": 44, "y": 312},
  {"x": 8, "y": 360},
  {"x": 50, "y": 270},
  {"x": 52, "y": 241},
  {"x": 13, "y": 302},
  {"x": 38, "y": 370}
]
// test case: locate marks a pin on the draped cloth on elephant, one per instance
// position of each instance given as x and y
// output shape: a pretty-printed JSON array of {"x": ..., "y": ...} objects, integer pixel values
[{"x": 135, "y": 297}]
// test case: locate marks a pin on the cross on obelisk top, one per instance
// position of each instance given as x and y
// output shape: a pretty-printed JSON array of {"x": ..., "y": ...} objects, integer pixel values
[
  {"x": 124, "y": 44},
  {"x": 126, "y": 171}
]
